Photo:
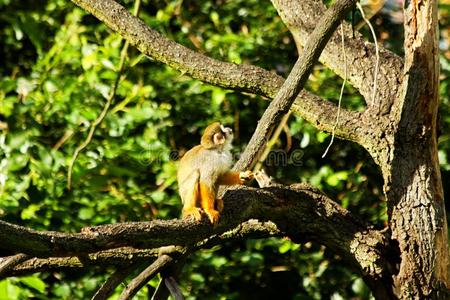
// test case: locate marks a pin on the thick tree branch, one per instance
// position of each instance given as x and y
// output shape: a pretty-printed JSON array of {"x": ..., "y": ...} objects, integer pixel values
[
  {"x": 122, "y": 257},
  {"x": 413, "y": 183},
  {"x": 299, "y": 212},
  {"x": 246, "y": 78},
  {"x": 301, "y": 19},
  {"x": 295, "y": 81}
]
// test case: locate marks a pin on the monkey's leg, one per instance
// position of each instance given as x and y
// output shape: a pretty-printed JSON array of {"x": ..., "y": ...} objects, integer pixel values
[
  {"x": 232, "y": 177},
  {"x": 207, "y": 202},
  {"x": 190, "y": 202}
]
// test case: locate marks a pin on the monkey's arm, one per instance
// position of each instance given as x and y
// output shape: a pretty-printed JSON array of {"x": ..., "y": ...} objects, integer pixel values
[{"x": 232, "y": 177}]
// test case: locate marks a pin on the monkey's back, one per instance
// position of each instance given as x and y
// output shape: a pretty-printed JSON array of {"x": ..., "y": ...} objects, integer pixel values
[{"x": 204, "y": 165}]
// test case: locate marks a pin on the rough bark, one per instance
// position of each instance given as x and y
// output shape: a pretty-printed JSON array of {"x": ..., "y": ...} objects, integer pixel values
[
  {"x": 301, "y": 19},
  {"x": 401, "y": 137},
  {"x": 125, "y": 256},
  {"x": 413, "y": 183},
  {"x": 243, "y": 77},
  {"x": 299, "y": 212},
  {"x": 119, "y": 257},
  {"x": 294, "y": 83}
]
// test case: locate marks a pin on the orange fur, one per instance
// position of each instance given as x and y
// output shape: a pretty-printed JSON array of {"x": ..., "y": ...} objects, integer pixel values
[
  {"x": 203, "y": 168},
  {"x": 219, "y": 204},
  {"x": 229, "y": 178},
  {"x": 207, "y": 201},
  {"x": 190, "y": 205}
]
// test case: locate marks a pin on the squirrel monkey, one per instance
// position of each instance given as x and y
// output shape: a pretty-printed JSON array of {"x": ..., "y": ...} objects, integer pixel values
[{"x": 203, "y": 168}]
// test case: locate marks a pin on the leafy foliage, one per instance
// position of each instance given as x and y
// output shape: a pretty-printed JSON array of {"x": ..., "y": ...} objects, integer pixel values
[{"x": 58, "y": 67}]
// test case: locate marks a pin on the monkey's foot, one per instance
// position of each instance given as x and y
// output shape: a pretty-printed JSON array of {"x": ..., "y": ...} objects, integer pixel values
[
  {"x": 194, "y": 212},
  {"x": 213, "y": 215}
]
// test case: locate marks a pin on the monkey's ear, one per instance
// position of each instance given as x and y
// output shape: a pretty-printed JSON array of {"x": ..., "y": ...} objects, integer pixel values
[{"x": 218, "y": 139}]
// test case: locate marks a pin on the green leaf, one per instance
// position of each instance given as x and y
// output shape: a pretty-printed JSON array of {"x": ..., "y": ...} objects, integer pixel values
[
  {"x": 30, "y": 212},
  {"x": 197, "y": 277},
  {"x": 335, "y": 178},
  {"x": 8, "y": 290},
  {"x": 34, "y": 282},
  {"x": 63, "y": 291},
  {"x": 358, "y": 286},
  {"x": 7, "y": 105},
  {"x": 86, "y": 213},
  {"x": 218, "y": 261},
  {"x": 215, "y": 18},
  {"x": 217, "y": 97},
  {"x": 253, "y": 259},
  {"x": 285, "y": 247},
  {"x": 322, "y": 136}
]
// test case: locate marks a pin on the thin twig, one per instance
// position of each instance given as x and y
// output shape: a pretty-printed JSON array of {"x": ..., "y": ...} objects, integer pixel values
[
  {"x": 288, "y": 134},
  {"x": 168, "y": 255},
  {"x": 341, "y": 93},
  {"x": 8, "y": 263},
  {"x": 67, "y": 135},
  {"x": 145, "y": 276},
  {"x": 123, "y": 56},
  {"x": 114, "y": 280},
  {"x": 165, "y": 286},
  {"x": 372, "y": 9},
  {"x": 173, "y": 287},
  {"x": 377, "y": 55},
  {"x": 162, "y": 292}
]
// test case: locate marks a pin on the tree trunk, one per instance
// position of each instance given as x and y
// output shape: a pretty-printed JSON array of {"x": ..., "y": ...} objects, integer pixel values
[{"x": 413, "y": 182}]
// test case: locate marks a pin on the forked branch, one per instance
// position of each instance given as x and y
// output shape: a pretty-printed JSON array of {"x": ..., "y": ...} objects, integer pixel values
[
  {"x": 301, "y": 18},
  {"x": 244, "y": 77},
  {"x": 295, "y": 81}
]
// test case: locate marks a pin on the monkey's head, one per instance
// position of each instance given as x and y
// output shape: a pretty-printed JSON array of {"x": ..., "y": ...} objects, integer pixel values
[{"x": 216, "y": 136}]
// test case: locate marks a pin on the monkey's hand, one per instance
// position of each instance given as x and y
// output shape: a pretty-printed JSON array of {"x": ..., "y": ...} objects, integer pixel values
[{"x": 246, "y": 176}]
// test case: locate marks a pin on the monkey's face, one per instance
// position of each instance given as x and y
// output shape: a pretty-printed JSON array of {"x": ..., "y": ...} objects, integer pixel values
[
  {"x": 223, "y": 136},
  {"x": 228, "y": 134}
]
